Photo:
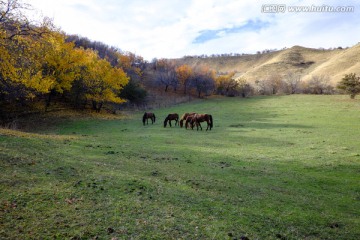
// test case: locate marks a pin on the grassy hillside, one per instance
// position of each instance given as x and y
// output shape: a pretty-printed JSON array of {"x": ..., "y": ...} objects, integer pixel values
[
  {"x": 272, "y": 168},
  {"x": 305, "y": 61}
]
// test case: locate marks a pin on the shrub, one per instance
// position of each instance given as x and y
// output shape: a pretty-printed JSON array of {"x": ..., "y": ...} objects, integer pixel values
[{"x": 350, "y": 83}]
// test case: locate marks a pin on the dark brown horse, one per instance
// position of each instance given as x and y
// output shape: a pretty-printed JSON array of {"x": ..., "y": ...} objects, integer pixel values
[
  {"x": 170, "y": 117},
  {"x": 146, "y": 117},
  {"x": 183, "y": 118},
  {"x": 198, "y": 118}
]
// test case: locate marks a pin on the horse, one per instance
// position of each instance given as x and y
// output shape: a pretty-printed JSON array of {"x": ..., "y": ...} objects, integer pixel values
[
  {"x": 198, "y": 118},
  {"x": 183, "y": 118},
  {"x": 146, "y": 117},
  {"x": 190, "y": 120},
  {"x": 170, "y": 117}
]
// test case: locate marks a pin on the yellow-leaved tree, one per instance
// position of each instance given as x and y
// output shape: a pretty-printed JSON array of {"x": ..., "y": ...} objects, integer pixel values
[
  {"x": 61, "y": 63},
  {"x": 21, "y": 75},
  {"x": 100, "y": 81},
  {"x": 226, "y": 84},
  {"x": 184, "y": 74},
  {"x": 21, "y": 78}
]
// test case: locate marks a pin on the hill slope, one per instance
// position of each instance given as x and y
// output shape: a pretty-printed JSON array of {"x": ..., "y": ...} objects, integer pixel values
[{"x": 305, "y": 61}]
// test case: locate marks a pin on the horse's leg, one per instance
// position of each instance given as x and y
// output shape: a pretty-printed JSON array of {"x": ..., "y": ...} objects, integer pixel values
[
  {"x": 200, "y": 126},
  {"x": 170, "y": 123}
]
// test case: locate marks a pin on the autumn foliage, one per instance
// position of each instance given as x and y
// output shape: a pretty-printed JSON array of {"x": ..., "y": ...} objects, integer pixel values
[{"x": 38, "y": 65}]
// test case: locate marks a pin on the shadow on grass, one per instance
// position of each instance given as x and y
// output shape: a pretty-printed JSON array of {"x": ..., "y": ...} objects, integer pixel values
[{"x": 263, "y": 125}]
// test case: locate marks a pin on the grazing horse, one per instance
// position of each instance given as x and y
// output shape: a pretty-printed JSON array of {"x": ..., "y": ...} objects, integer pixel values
[
  {"x": 170, "y": 117},
  {"x": 184, "y": 117},
  {"x": 146, "y": 117},
  {"x": 190, "y": 121},
  {"x": 198, "y": 118}
]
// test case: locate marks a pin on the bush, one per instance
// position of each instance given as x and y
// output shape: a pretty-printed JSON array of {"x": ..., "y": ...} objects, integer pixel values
[{"x": 350, "y": 84}]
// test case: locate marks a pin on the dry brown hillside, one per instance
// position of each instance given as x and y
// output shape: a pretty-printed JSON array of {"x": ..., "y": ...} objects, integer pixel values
[{"x": 305, "y": 61}]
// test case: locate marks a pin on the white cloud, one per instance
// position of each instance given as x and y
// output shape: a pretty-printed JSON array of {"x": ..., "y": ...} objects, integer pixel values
[{"x": 163, "y": 28}]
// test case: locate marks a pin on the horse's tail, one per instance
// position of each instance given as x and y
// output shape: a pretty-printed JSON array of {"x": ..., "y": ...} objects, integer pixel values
[
  {"x": 181, "y": 122},
  {"x": 154, "y": 117},
  {"x": 211, "y": 121},
  {"x": 144, "y": 118},
  {"x": 165, "y": 122}
]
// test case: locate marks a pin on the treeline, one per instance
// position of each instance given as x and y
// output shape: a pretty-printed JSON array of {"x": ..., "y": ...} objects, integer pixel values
[
  {"x": 290, "y": 83},
  {"x": 265, "y": 51}
]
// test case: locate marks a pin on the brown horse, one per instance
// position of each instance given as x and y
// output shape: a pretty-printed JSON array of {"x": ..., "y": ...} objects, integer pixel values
[
  {"x": 146, "y": 117},
  {"x": 183, "y": 118},
  {"x": 190, "y": 121},
  {"x": 198, "y": 118},
  {"x": 170, "y": 117}
]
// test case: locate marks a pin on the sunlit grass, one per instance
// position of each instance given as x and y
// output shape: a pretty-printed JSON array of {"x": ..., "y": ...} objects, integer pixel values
[{"x": 272, "y": 168}]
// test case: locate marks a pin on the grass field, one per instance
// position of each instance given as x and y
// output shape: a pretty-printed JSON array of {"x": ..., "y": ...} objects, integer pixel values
[{"x": 285, "y": 167}]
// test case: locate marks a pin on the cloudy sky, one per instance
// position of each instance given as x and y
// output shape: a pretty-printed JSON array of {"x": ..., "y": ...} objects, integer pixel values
[{"x": 174, "y": 28}]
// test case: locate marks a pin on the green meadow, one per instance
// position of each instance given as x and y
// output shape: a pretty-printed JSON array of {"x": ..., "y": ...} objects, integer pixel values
[{"x": 283, "y": 167}]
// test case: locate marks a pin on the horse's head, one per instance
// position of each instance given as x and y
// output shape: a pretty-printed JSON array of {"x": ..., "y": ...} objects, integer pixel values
[
  {"x": 144, "y": 117},
  {"x": 165, "y": 122}
]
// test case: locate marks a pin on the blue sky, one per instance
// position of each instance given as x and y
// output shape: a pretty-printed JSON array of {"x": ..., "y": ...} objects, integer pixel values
[
  {"x": 174, "y": 28},
  {"x": 211, "y": 34}
]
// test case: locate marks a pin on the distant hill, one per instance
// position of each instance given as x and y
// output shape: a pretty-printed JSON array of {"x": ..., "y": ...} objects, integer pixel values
[{"x": 305, "y": 61}]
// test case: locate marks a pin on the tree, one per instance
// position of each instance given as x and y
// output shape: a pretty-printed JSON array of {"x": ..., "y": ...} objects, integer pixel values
[
  {"x": 183, "y": 74},
  {"x": 293, "y": 82},
  {"x": 100, "y": 81},
  {"x": 203, "y": 81},
  {"x": 61, "y": 64},
  {"x": 21, "y": 56},
  {"x": 166, "y": 74},
  {"x": 350, "y": 83},
  {"x": 244, "y": 88},
  {"x": 226, "y": 84},
  {"x": 133, "y": 92},
  {"x": 319, "y": 84},
  {"x": 133, "y": 66},
  {"x": 14, "y": 23}
]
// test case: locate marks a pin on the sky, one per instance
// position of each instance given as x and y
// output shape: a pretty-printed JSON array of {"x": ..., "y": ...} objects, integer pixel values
[{"x": 177, "y": 28}]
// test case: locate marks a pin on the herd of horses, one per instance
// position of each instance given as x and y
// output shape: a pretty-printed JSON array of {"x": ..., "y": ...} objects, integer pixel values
[{"x": 190, "y": 120}]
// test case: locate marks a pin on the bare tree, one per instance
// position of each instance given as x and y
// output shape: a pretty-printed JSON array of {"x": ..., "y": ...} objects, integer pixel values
[
  {"x": 244, "y": 88},
  {"x": 15, "y": 23},
  {"x": 273, "y": 84},
  {"x": 203, "y": 81},
  {"x": 319, "y": 84},
  {"x": 166, "y": 74},
  {"x": 262, "y": 87},
  {"x": 293, "y": 82}
]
